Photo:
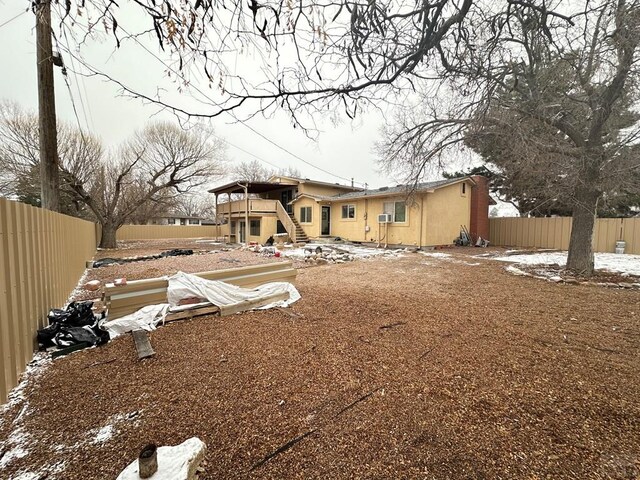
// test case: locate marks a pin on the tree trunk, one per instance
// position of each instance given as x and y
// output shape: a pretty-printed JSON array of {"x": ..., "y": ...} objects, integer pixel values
[
  {"x": 580, "y": 259},
  {"x": 108, "y": 239}
]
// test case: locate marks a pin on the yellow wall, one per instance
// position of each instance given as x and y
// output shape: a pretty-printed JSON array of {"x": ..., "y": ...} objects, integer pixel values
[
  {"x": 311, "y": 229},
  {"x": 367, "y": 211},
  {"x": 445, "y": 210},
  {"x": 268, "y": 227}
]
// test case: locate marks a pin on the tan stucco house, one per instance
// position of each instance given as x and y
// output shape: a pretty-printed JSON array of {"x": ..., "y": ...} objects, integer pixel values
[{"x": 305, "y": 209}]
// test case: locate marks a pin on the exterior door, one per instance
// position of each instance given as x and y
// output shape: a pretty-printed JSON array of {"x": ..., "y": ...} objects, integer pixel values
[
  {"x": 243, "y": 232},
  {"x": 286, "y": 196},
  {"x": 325, "y": 226}
]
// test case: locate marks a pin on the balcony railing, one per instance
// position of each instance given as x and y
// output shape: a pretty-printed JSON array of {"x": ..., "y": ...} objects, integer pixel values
[{"x": 256, "y": 205}]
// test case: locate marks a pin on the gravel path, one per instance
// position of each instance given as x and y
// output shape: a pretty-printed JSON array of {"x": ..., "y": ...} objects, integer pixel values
[{"x": 411, "y": 367}]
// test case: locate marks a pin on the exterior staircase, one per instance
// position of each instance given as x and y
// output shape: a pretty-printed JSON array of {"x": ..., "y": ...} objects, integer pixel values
[{"x": 301, "y": 236}]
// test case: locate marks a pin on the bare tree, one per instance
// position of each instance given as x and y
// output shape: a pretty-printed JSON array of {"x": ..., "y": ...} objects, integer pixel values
[
  {"x": 161, "y": 158},
  {"x": 251, "y": 171},
  {"x": 554, "y": 98},
  {"x": 254, "y": 171},
  {"x": 20, "y": 160},
  {"x": 310, "y": 56},
  {"x": 197, "y": 205}
]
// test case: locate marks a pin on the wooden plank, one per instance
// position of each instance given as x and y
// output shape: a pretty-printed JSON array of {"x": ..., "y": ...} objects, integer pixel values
[
  {"x": 149, "y": 283},
  {"x": 143, "y": 345},
  {"x": 193, "y": 312},
  {"x": 251, "y": 304}
]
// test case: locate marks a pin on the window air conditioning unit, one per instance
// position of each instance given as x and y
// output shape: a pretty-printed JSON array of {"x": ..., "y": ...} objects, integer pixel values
[{"x": 384, "y": 218}]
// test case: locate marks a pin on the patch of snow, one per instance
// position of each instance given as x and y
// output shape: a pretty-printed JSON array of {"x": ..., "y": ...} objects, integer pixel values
[
  {"x": 516, "y": 271},
  {"x": 27, "y": 476},
  {"x": 35, "y": 368},
  {"x": 15, "y": 447},
  {"x": 436, "y": 254},
  {"x": 356, "y": 251},
  {"x": 104, "y": 434},
  {"x": 612, "y": 262},
  {"x": 448, "y": 258},
  {"x": 79, "y": 287}
]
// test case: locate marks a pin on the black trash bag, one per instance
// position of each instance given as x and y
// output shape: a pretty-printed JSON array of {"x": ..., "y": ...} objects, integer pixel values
[
  {"x": 80, "y": 314},
  {"x": 103, "y": 262},
  {"x": 103, "y": 335},
  {"x": 47, "y": 334},
  {"x": 176, "y": 252},
  {"x": 64, "y": 324},
  {"x": 58, "y": 316},
  {"x": 68, "y": 336}
]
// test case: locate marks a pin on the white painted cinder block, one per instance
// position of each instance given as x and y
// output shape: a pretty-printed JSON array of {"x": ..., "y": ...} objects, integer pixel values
[{"x": 179, "y": 462}]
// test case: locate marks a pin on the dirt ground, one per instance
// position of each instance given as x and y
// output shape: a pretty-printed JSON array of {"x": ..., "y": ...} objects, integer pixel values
[{"x": 411, "y": 367}]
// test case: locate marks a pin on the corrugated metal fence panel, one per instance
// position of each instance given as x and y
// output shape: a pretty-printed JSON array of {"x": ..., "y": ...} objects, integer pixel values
[
  {"x": 155, "y": 232},
  {"x": 555, "y": 233},
  {"x": 631, "y": 235},
  {"x": 42, "y": 256}
]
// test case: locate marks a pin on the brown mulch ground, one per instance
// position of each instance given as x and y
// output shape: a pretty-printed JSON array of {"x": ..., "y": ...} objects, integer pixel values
[
  {"x": 136, "y": 248},
  {"x": 470, "y": 372},
  {"x": 599, "y": 276}
]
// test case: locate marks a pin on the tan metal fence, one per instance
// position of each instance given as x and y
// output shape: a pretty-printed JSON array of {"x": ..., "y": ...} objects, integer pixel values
[
  {"x": 555, "y": 233},
  {"x": 154, "y": 232},
  {"x": 42, "y": 256}
]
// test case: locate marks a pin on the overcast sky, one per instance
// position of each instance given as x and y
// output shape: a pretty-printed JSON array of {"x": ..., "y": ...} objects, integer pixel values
[{"x": 344, "y": 150}]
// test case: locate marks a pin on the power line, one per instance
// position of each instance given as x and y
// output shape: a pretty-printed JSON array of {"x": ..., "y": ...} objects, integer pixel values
[
  {"x": 235, "y": 118},
  {"x": 75, "y": 76},
  {"x": 66, "y": 81},
  {"x": 13, "y": 18}
]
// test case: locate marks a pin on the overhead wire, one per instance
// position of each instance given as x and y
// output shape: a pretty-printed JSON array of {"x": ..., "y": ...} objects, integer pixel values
[
  {"x": 77, "y": 82},
  {"x": 13, "y": 18},
  {"x": 66, "y": 81},
  {"x": 234, "y": 117}
]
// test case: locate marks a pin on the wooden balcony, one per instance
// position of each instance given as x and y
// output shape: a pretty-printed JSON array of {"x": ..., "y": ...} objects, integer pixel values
[{"x": 256, "y": 206}]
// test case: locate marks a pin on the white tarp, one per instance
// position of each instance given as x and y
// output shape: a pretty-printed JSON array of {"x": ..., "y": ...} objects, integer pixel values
[
  {"x": 147, "y": 318},
  {"x": 183, "y": 285}
]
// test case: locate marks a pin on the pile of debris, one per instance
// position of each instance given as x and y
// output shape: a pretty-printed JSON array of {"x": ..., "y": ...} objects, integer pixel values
[
  {"x": 176, "y": 252},
  {"x": 315, "y": 254}
]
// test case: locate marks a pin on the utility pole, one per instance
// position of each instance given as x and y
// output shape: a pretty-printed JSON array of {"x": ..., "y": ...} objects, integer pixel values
[{"x": 49, "y": 181}]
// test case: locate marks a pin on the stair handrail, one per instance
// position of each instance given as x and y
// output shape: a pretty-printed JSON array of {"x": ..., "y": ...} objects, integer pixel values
[{"x": 288, "y": 224}]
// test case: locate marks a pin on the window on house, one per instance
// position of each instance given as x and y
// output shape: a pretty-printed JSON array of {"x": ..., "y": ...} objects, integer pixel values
[
  {"x": 183, "y": 221},
  {"x": 397, "y": 210},
  {"x": 464, "y": 188},
  {"x": 233, "y": 227},
  {"x": 305, "y": 214},
  {"x": 348, "y": 211},
  {"x": 254, "y": 228},
  {"x": 194, "y": 221}
]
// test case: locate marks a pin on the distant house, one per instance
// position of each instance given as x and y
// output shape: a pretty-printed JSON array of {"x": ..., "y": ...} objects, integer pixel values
[
  {"x": 305, "y": 209},
  {"x": 176, "y": 219}
]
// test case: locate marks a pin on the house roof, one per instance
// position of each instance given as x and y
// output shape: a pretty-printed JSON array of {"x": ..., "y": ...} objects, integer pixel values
[
  {"x": 388, "y": 191},
  {"x": 271, "y": 184},
  {"x": 238, "y": 187},
  {"x": 315, "y": 182}
]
